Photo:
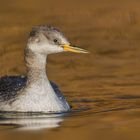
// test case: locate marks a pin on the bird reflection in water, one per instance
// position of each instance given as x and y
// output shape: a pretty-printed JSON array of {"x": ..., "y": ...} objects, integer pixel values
[{"x": 30, "y": 121}]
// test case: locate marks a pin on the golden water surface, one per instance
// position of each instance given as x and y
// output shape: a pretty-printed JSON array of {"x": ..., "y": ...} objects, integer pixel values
[{"x": 103, "y": 87}]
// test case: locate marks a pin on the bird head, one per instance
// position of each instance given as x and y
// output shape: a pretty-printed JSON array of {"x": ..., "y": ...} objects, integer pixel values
[{"x": 47, "y": 40}]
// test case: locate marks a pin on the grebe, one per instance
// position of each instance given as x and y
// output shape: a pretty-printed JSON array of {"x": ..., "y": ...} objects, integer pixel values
[{"x": 34, "y": 92}]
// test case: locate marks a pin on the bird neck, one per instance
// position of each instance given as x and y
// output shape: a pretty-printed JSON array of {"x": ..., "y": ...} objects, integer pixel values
[{"x": 36, "y": 66}]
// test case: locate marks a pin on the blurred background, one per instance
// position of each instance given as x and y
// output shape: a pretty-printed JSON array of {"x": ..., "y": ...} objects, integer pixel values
[{"x": 103, "y": 87}]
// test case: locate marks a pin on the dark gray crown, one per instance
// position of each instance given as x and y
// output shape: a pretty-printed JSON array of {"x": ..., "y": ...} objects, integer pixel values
[
  {"x": 44, "y": 29},
  {"x": 51, "y": 33}
]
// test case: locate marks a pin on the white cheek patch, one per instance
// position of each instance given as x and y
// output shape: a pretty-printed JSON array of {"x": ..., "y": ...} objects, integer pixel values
[
  {"x": 44, "y": 47},
  {"x": 53, "y": 49}
]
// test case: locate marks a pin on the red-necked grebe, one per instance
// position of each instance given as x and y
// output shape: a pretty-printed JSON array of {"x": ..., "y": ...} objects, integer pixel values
[{"x": 34, "y": 92}]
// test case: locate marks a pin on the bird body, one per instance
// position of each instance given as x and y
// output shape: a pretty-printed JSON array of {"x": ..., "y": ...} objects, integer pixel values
[
  {"x": 44, "y": 96},
  {"x": 35, "y": 93}
]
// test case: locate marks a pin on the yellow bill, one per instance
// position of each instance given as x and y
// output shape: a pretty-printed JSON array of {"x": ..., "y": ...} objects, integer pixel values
[{"x": 74, "y": 49}]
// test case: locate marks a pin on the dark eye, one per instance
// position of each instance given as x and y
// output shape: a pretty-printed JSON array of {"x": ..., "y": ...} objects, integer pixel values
[{"x": 55, "y": 40}]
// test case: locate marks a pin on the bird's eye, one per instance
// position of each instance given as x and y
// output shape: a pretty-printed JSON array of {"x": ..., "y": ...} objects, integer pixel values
[{"x": 55, "y": 40}]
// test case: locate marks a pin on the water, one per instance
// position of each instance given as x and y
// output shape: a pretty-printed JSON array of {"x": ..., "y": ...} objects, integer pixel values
[{"x": 103, "y": 87}]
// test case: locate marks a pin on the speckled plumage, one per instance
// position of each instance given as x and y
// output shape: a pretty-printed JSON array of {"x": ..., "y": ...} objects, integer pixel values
[{"x": 10, "y": 85}]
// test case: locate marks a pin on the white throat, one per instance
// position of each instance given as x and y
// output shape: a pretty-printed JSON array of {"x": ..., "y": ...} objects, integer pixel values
[{"x": 36, "y": 72}]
